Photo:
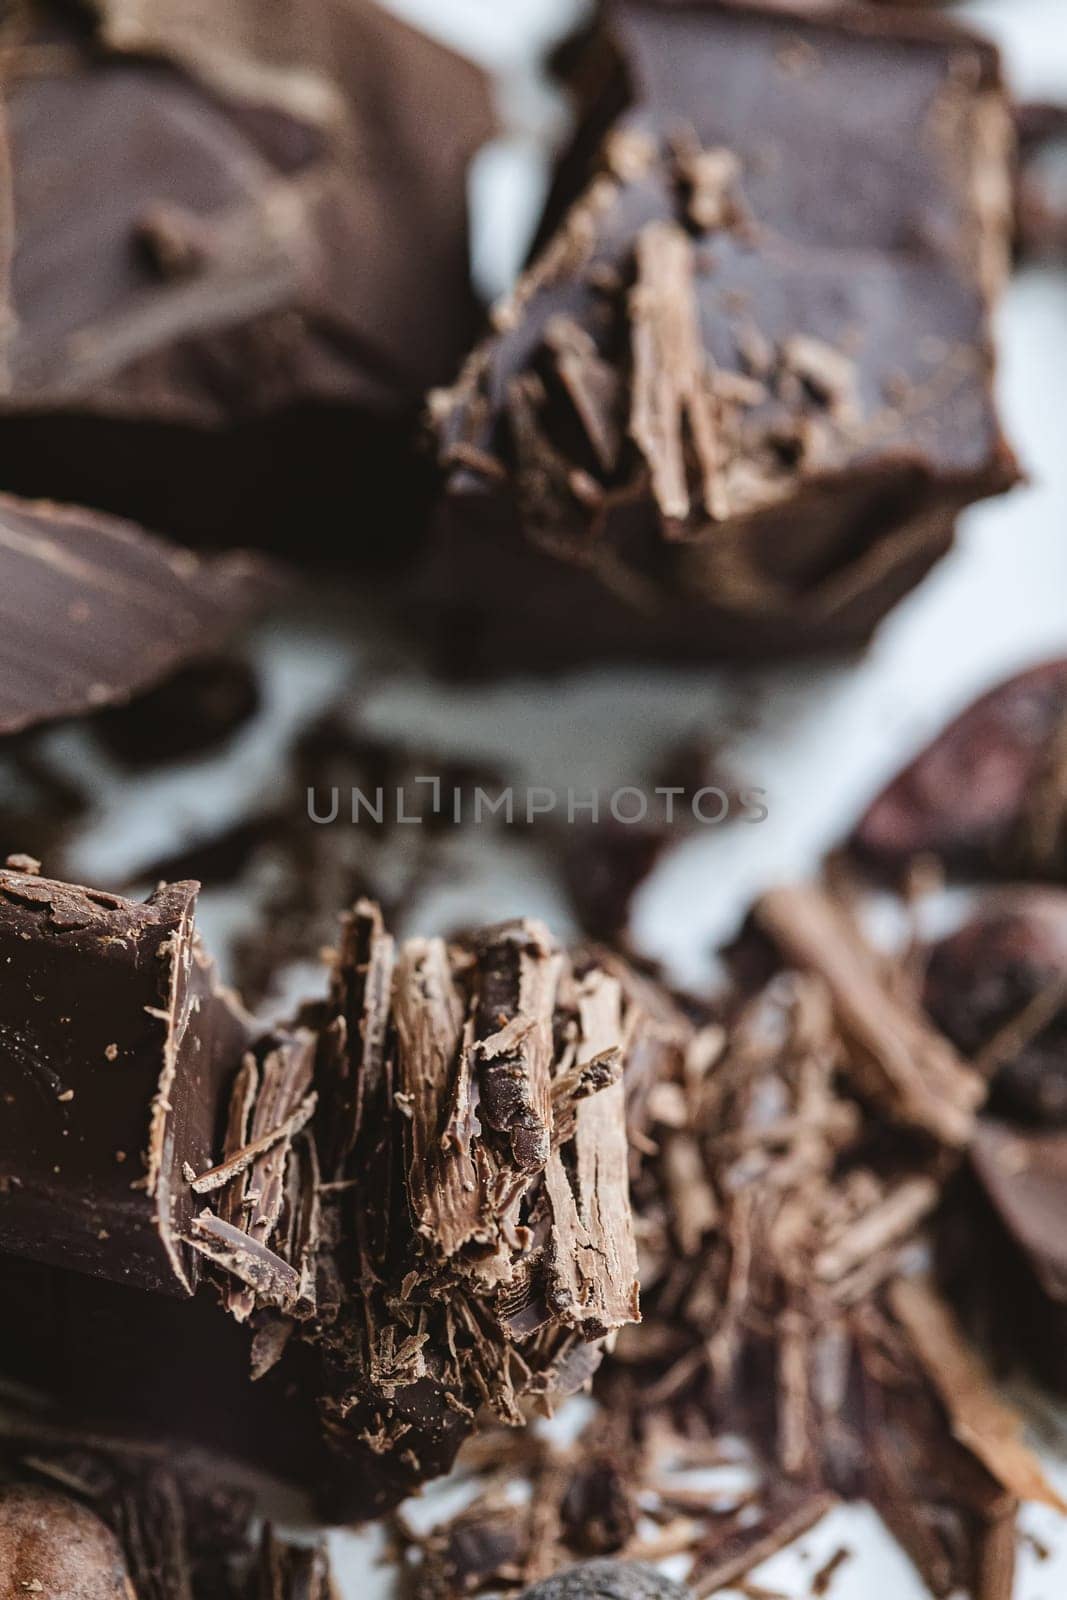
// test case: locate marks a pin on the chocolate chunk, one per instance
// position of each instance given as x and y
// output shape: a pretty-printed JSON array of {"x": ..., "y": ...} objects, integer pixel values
[
  {"x": 493, "y": 1241},
  {"x": 987, "y": 795},
  {"x": 87, "y": 1521},
  {"x": 603, "y": 867},
  {"x": 739, "y": 399},
  {"x": 1041, "y": 198},
  {"x": 417, "y": 1203},
  {"x": 93, "y": 610},
  {"x": 998, "y": 989},
  {"x": 40, "y": 801},
  {"x": 226, "y": 309},
  {"x": 190, "y": 714},
  {"x": 1009, "y": 1263},
  {"x": 607, "y": 1580},
  {"x": 116, "y": 1050}
]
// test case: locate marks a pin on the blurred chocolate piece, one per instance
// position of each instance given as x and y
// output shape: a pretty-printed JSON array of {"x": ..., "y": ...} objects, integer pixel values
[
  {"x": 40, "y": 801},
  {"x": 987, "y": 795},
  {"x": 116, "y": 1050},
  {"x": 1041, "y": 198},
  {"x": 191, "y": 714},
  {"x": 226, "y": 305},
  {"x": 738, "y": 401},
  {"x": 900, "y": 1063},
  {"x": 604, "y": 864},
  {"x": 1014, "y": 1254},
  {"x": 93, "y": 610},
  {"x": 84, "y": 1520},
  {"x": 998, "y": 989},
  {"x": 872, "y": 128}
]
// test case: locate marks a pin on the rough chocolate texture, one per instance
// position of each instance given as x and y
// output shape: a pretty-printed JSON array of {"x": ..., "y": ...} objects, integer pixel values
[
  {"x": 224, "y": 316},
  {"x": 737, "y": 402},
  {"x": 85, "y": 1521},
  {"x": 94, "y": 610},
  {"x": 417, "y": 1205},
  {"x": 116, "y": 1050}
]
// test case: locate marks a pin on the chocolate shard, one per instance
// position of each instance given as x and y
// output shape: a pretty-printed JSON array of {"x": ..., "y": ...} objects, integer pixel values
[
  {"x": 93, "y": 611},
  {"x": 235, "y": 328},
  {"x": 997, "y": 987},
  {"x": 1002, "y": 1255},
  {"x": 492, "y": 1244},
  {"x": 732, "y": 409},
  {"x": 117, "y": 1046},
  {"x": 895, "y": 1056},
  {"x": 94, "y": 1521},
  {"x": 987, "y": 795},
  {"x": 741, "y": 1548},
  {"x": 979, "y": 1419}
]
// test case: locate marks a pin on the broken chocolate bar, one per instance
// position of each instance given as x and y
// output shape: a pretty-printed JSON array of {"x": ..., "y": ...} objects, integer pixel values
[
  {"x": 998, "y": 989},
  {"x": 117, "y": 1047},
  {"x": 986, "y": 796},
  {"x": 80, "y": 1520},
  {"x": 417, "y": 1207},
  {"x": 93, "y": 610},
  {"x": 738, "y": 401},
  {"x": 1003, "y": 1251},
  {"x": 240, "y": 256}
]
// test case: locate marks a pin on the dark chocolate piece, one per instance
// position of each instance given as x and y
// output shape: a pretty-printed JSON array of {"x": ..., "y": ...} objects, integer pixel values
[
  {"x": 93, "y": 610},
  {"x": 986, "y": 797},
  {"x": 225, "y": 312},
  {"x": 417, "y": 1203},
  {"x": 1014, "y": 1253},
  {"x": 40, "y": 801},
  {"x": 1041, "y": 197},
  {"x": 191, "y": 714},
  {"x": 117, "y": 1048},
  {"x": 83, "y": 1520},
  {"x": 738, "y": 401},
  {"x": 998, "y": 989}
]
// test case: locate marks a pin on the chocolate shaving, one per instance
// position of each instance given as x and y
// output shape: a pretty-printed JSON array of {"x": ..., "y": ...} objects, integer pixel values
[
  {"x": 672, "y": 405},
  {"x": 896, "y": 1056},
  {"x": 242, "y": 1159},
  {"x": 979, "y": 1420}
]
